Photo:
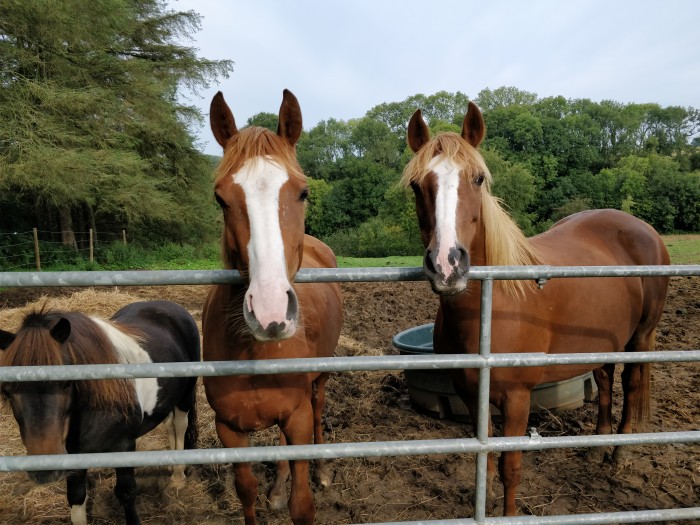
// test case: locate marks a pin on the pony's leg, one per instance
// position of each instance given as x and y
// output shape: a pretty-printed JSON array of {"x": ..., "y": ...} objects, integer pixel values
[
  {"x": 278, "y": 493},
  {"x": 125, "y": 490},
  {"x": 299, "y": 431},
  {"x": 321, "y": 474},
  {"x": 245, "y": 482},
  {"x": 176, "y": 423},
  {"x": 515, "y": 409},
  {"x": 76, "y": 489}
]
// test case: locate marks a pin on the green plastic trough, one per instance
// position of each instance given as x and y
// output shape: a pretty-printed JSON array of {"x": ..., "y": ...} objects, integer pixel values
[{"x": 431, "y": 391}]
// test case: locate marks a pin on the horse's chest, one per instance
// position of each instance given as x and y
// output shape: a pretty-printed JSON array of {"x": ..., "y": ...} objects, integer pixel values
[{"x": 255, "y": 403}]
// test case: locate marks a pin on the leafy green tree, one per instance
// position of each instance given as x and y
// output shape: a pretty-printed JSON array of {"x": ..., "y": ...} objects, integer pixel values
[
  {"x": 93, "y": 132},
  {"x": 264, "y": 120},
  {"x": 503, "y": 96},
  {"x": 325, "y": 144}
]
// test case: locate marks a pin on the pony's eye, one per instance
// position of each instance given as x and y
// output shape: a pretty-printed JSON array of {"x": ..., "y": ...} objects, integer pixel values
[
  {"x": 304, "y": 194},
  {"x": 220, "y": 201},
  {"x": 479, "y": 180}
]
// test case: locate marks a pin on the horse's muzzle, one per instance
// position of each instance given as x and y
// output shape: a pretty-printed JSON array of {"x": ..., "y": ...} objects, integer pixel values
[
  {"x": 271, "y": 329},
  {"x": 447, "y": 275},
  {"x": 44, "y": 477}
]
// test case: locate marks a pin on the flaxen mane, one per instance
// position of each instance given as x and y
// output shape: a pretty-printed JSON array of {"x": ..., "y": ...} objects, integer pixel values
[
  {"x": 253, "y": 142},
  {"x": 86, "y": 345},
  {"x": 505, "y": 243}
]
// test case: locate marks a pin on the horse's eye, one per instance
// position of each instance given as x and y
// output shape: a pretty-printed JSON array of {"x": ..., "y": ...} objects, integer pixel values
[
  {"x": 479, "y": 180},
  {"x": 220, "y": 201},
  {"x": 304, "y": 194}
]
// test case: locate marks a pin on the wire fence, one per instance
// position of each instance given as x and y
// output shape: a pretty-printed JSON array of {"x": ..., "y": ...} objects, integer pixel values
[
  {"x": 28, "y": 250},
  {"x": 482, "y": 444}
]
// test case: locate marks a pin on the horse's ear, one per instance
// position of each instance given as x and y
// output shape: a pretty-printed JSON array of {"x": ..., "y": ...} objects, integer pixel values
[
  {"x": 418, "y": 132},
  {"x": 221, "y": 120},
  {"x": 6, "y": 339},
  {"x": 61, "y": 330},
  {"x": 473, "y": 127},
  {"x": 289, "y": 126}
]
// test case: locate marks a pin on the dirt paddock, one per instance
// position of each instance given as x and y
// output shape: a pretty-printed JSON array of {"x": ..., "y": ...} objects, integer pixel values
[{"x": 374, "y": 406}]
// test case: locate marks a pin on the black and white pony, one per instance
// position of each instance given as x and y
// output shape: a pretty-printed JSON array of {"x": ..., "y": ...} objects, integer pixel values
[{"x": 107, "y": 415}]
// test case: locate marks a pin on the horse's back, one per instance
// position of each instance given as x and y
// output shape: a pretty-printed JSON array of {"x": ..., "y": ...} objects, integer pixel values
[
  {"x": 169, "y": 328},
  {"x": 317, "y": 254},
  {"x": 601, "y": 238}
]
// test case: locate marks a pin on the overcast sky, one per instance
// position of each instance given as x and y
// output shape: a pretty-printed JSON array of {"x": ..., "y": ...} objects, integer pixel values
[{"x": 341, "y": 58}]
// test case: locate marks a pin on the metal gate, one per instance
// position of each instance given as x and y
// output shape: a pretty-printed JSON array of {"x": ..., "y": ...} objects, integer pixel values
[{"x": 481, "y": 445}]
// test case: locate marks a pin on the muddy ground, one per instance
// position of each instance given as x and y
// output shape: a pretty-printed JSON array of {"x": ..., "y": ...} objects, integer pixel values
[{"x": 374, "y": 406}]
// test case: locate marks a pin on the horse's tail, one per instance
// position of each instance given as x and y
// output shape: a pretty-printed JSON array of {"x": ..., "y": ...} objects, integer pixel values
[{"x": 192, "y": 434}]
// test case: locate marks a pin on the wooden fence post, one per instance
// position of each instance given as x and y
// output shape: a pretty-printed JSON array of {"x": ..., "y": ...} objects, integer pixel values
[
  {"x": 36, "y": 250},
  {"x": 91, "y": 246},
  {"x": 124, "y": 236}
]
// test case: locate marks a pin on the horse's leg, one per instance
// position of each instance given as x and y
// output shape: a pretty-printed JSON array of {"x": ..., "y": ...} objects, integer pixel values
[
  {"x": 635, "y": 385},
  {"x": 278, "y": 493},
  {"x": 515, "y": 409},
  {"x": 321, "y": 474},
  {"x": 471, "y": 400},
  {"x": 299, "y": 431},
  {"x": 604, "y": 380},
  {"x": 245, "y": 482},
  {"x": 76, "y": 488},
  {"x": 125, "y": 490}
]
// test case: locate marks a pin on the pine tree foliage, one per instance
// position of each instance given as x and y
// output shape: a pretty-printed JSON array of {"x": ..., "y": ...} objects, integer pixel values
[{"x": 93, "y": 133}]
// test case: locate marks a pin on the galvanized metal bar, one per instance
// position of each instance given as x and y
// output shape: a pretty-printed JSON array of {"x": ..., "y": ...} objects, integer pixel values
[
  {"x": 334, "y": 451},
  {"x": 633, "y": 516},
  {"x": 307, "y": 275},
  {"x": 484, "y": 414},
  {"x": 332, "y": 364}
]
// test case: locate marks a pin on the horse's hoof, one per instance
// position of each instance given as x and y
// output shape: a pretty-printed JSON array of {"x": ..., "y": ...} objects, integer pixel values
[
  {"x": 621, "y": 456},
  {"x": 323, "y": 478},
  {"x": 277, "y": 499},
  {"x": 596, "y": 454}
]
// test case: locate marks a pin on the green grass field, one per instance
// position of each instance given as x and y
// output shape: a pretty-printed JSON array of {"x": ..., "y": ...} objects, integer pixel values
[{"x": 684, "y": 249}]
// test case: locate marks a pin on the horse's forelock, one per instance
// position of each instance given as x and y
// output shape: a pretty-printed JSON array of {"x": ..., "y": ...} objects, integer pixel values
[
  {"x": 253, "y": 142},
  {"x": 452, "y": 146}
]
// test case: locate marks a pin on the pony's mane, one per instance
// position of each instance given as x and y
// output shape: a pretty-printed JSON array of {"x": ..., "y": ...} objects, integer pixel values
[
  {"x": 86, "y": 345},
  {"x": 255, "y": 141},
  {"x": 506, "y": 245}
]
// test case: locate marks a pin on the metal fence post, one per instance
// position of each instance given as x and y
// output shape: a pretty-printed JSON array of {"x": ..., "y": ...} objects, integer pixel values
[{"x": 483, "y": 419}]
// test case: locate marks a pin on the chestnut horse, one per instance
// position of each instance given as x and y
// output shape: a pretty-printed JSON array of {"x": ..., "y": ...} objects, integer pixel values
[
  {"x": 462, "y": 224},
  {"x": 262, "y": 192},
  {"x": 106, "y": 415}
]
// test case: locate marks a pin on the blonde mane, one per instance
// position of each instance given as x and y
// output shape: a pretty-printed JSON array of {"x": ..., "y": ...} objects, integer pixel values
[
  {"x": 253, "y": 142},
  {"x": 506, "y": 245}
]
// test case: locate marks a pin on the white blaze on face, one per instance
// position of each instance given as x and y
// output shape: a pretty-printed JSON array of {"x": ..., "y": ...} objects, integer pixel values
[
  {"x": 261, "y": 180},
  {"x": 130, "y": 352},
  {"x": 447, "y": 175}
]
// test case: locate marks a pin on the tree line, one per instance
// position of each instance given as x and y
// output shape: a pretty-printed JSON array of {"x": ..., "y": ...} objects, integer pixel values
[
  {"x": 95, "y": 136},
  {"x": 550, "y": 157}
]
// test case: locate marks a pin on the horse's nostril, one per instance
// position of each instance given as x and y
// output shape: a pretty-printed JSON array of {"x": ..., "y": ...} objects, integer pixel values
[{"x": 429, "y": 263}]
